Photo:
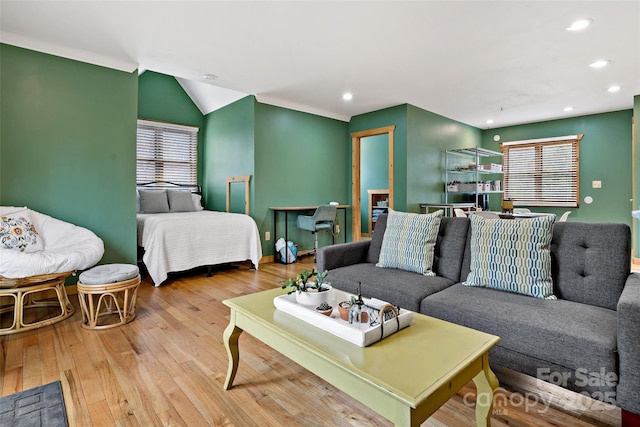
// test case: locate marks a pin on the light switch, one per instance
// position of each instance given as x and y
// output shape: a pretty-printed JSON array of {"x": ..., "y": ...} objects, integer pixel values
[{"x": 596, "y": 184}]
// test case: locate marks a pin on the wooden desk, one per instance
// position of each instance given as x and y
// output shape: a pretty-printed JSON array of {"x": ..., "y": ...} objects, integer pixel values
[
  {"x": 405, "y": 377},
  {"x": 299, "y": 209}
]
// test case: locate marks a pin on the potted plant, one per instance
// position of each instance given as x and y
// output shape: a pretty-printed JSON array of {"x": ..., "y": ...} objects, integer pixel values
[
  {"x": 325, "y": 309},
  {"x": 344, "y": 307},
  {"x": 307, "y": 292}
]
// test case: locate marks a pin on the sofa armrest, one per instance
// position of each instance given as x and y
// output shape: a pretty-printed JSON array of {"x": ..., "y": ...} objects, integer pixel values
[
  {"x": 628, "y": 391},
  {"x": 341, "y": 255}
]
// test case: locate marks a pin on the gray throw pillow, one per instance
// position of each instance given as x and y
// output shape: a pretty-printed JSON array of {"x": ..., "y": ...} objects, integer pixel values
[
  {"x": 180, "y": 201},
  {"x": 153, "y": 201}
]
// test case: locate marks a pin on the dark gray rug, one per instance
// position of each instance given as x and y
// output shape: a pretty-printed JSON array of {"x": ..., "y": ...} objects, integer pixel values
[{"x": 40, "y": 406}]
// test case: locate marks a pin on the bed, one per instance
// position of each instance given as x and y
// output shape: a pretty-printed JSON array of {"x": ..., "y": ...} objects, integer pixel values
[{"x": 175, "y": 240}]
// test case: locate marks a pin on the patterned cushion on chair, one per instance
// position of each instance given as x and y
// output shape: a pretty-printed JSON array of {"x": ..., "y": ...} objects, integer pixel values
[
  {"x": 409, "y": 241},
  {"x": 17, "y": 232},
  {"x": 512, "y": 255}
]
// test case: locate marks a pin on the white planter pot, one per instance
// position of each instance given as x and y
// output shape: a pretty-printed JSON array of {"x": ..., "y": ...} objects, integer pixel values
[{"x": 314, "y": 299}]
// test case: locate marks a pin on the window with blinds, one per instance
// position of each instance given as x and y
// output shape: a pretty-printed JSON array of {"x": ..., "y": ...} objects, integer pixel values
[
  {"x": 542, "y": 172},
  {"x": 166, "y": 152}
]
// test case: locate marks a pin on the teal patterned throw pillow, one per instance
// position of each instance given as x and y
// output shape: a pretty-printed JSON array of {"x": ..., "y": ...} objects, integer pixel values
[
  {"x": 512, "y": 255},
  {"x": 409, "y": 241}
]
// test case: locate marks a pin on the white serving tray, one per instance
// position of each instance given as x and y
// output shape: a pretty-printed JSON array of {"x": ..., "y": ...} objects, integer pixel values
[{"x": 361, "y": 335}]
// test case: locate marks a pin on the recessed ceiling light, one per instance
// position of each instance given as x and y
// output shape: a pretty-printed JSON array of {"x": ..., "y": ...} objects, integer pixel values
[
  {"x": 601, "y": 63},
  {"x": 614, "y": 89},
  {"x": 347, "y": 96},
  {"x": 580, "y": 24},
  {"x": 568, "y": 108},
  {"x": 490, "y": 121},
  {"x": 209, "y": 77}
]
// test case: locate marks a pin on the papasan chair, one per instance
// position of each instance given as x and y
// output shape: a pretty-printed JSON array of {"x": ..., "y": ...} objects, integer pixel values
[{"x": 37, "y": 254}]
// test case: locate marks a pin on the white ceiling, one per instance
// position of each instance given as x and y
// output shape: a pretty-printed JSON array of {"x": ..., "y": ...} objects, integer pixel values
[{"x": 510, "y": 61}]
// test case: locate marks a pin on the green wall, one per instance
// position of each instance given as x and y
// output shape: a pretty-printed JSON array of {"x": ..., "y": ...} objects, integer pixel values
[
  {"x": 388, "y": 117},
  {"x": 301, "y": 159},
  {"x": 162, "y": 98},
  {"x": 67, "y": 144},
  {"x": 293, "y": 158},
  {"x": 605, "y": 155},
  {"x": 229, "y": 151},
  {"x": 420, "y": 139},
  {"x": 429, "y": 136}
]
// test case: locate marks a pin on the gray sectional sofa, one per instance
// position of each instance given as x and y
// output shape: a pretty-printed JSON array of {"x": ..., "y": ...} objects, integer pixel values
[{"x": 588, "y": 340}]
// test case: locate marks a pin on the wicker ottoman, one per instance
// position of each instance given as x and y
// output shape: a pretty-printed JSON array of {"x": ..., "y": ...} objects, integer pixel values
[{"x": 107, "y": 295}]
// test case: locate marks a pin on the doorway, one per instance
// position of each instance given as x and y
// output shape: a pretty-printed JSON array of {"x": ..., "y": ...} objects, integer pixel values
[{"x": 356, "y": 144}]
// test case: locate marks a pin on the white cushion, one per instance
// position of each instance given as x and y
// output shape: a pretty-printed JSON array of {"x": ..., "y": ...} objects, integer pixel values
[
  {"x": 108, "y": 273},
  {"x": 197, "y": 201},
  {"x": 67, "y": 247}
]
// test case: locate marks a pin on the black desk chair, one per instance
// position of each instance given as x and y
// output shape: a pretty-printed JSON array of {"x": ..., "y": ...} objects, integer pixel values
[{"x": 323, "y": 218}]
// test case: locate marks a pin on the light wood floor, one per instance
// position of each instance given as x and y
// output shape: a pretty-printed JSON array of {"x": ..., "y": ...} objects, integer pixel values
[{"x": 167, "y": 367}]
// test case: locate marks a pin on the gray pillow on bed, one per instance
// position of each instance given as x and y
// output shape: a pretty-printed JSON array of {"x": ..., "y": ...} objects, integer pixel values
[
  {"x": 180, "y": 201},
  {"x": 153, "y": 201}
]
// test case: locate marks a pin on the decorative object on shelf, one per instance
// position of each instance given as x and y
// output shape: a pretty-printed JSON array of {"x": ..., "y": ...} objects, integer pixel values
[
  {"x": 325, "y": 309},
  {"x": 378, "y": 204},
  {"x": 507, "y": 206},
  {"x": 308, "y": 293}
]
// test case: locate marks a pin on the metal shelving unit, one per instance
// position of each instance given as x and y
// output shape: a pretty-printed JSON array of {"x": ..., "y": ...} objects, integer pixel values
[{"x": 475, "y": 154}]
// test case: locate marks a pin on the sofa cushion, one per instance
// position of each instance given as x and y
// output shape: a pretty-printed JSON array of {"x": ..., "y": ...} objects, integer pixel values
[
  {"x": 450, "y": 247},
  {"x": 536, "y": 333},
  {"x": 409, "y": 241},
  {"x": 402, "y": 288},
  {"x": 373, "y": 256},
  {"x": 512, "y": 255},
  {"x": 590, "y": 262}
]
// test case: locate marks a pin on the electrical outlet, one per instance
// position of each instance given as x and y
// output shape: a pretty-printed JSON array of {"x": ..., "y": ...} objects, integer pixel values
[
  {"x": 267, "y": 235},
  {"x": 596, "y": 184}
]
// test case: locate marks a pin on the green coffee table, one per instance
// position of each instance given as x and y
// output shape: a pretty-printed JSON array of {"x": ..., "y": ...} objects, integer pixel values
[{"x": 405, "y": 377}]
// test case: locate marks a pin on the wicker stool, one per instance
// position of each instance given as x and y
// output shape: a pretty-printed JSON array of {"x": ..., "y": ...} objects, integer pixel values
[{"x": 108, "y": 292}]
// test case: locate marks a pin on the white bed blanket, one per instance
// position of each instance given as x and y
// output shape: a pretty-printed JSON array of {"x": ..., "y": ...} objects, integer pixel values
[
  {"x": 67, "y": 247},
  {"x": 183, "y": 240}
]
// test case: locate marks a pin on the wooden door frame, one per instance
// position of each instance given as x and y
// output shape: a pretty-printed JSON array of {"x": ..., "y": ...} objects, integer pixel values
[{"x": 356, "y": 225}]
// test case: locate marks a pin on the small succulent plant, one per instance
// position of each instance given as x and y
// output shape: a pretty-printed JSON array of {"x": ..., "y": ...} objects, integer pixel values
[{"x": 324, "y": 306}]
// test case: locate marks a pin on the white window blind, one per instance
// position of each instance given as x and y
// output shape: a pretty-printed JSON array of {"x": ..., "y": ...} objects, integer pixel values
[
  {"x": 542, "y": 172},
  {"x": 166, "y": 152}
]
